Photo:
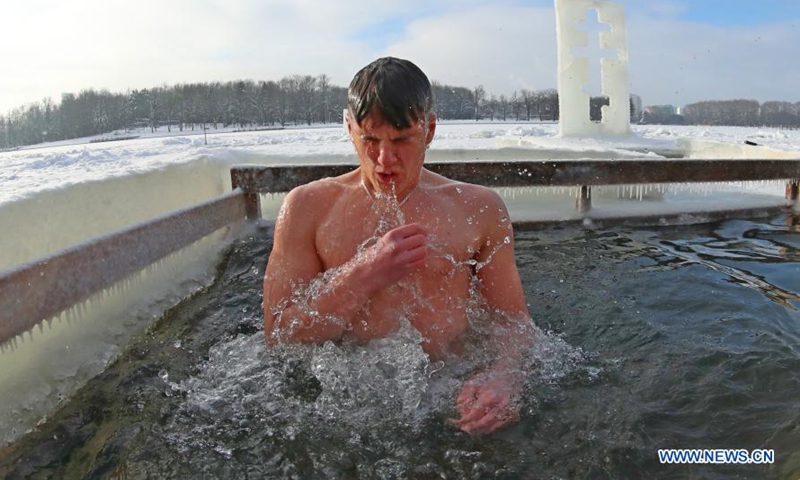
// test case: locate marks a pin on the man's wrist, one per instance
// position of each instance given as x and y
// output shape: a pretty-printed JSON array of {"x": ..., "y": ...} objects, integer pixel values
[{"x": 357, "y": 283}]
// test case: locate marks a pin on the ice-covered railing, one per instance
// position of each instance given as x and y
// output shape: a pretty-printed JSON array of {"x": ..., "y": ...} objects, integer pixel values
[
  {"x": 40, "y": 290},
  {"x": 581, "y": 174}
]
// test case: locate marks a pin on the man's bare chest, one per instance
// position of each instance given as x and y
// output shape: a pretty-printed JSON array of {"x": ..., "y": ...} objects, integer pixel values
[{"x": 450, "y": 240}]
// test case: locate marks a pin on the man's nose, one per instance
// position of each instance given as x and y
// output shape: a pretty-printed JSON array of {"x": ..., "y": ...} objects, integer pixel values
[{"x": 386, "y": 154}]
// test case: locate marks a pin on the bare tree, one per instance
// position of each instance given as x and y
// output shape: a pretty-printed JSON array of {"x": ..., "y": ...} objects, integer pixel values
[
  {"x": 478, "y": 97},
  {"x": 528, "y": 99},
  {"x": 323, "y": 87}
]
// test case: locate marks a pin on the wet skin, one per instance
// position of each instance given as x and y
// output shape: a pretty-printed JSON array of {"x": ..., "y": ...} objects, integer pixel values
[{"x": 419, "y": 270}]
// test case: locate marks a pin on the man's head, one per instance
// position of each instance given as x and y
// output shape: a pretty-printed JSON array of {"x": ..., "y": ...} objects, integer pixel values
[
  {"x": 391, "y": 123},
  {"x": 394, "y": 88}
]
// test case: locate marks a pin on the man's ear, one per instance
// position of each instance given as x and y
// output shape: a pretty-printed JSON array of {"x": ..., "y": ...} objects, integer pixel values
[
  {"x": 431, "y": 128},
  {"x": 347, "y": 120}
]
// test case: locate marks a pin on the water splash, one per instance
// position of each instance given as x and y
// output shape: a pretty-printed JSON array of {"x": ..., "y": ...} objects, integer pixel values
[
  {"x": 366, "y": 394},
  {"x": 340, "y": 402}
]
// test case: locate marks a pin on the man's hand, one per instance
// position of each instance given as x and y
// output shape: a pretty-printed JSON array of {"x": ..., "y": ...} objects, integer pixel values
[
  {"x": 488, "y": 402},
  {"x": 396, "y": 254}
]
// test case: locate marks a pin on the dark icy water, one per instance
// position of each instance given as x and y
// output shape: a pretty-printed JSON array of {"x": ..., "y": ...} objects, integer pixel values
[{"x": 675, "y": 337}]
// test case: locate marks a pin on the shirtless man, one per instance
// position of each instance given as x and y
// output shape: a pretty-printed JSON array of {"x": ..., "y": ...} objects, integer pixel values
[{"x": 393, "y": 240}]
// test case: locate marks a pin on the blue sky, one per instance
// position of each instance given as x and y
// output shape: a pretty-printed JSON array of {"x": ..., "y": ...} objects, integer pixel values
[
  {"x": 731, "y": 13},
  {"x": 680, "y": 51}
]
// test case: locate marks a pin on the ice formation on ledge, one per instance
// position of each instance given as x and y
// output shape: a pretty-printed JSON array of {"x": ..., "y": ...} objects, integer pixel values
[{"x": 573, "y": 71}]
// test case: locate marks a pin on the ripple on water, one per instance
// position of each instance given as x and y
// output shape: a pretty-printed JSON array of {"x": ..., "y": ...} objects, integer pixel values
[{"x": 660, "y": 343}]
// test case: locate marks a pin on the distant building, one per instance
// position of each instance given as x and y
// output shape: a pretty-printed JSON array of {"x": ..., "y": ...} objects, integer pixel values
[
  {"x": 661, "y": 110},
  {"x": 661, "y": 114}
]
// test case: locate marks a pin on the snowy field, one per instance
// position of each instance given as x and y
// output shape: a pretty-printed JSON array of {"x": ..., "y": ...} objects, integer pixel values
[
  {"x": 53, "y": 196},
  {"x": 127, "y": 181},
  {"x": 29, "y": 170}
]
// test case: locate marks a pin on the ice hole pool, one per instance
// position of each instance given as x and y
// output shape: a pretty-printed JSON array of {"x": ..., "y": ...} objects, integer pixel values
[{"x": 658, "y": 337}]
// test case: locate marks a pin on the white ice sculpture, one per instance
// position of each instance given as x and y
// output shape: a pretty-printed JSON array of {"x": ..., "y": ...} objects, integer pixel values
[{"x": 573, "y": 71}]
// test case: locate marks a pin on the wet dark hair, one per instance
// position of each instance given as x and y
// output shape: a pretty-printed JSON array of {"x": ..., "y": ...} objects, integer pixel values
[{"x": 396, "y": 88}]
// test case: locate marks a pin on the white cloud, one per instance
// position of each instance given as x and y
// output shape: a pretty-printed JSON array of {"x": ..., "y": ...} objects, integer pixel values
[
  {"x": 500, "y": 48},
  {"x": 53, "y": 46}
]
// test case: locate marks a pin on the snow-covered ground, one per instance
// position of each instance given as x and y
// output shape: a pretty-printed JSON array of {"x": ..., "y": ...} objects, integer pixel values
[
  {"x": 55, "y": 195},
  {"x": 27, "y": 171}
]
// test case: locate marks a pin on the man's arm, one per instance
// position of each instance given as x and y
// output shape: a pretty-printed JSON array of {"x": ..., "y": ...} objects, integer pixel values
[
  {"x": 490, "y": 400},
  {"x": 301, "y": 306},
  {"x": 293, "y": 265}
]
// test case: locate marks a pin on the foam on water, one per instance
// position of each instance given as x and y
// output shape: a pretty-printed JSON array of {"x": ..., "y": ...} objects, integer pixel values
[{"x": 335, "y": 401}]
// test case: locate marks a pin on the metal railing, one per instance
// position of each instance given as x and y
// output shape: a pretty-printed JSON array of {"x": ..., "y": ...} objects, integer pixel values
[
  {"x": 584, "y": 174},
  {"x": 41, "y": 289}
]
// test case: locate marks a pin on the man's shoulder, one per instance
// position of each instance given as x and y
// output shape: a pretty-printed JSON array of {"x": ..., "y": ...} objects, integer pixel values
[
  {"x": 470, "y": 193},
  {"x": 462, "y": 189},
  {"x": 316, "y": 191},
  {"x": 303, "y": 205}
]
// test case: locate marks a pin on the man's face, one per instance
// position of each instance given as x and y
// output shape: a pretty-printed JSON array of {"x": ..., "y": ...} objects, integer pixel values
[{"x": 388, "y": 155}]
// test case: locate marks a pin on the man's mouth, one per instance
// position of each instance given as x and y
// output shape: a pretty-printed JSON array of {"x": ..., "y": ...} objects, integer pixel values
[{"x": 385, "y": 177}]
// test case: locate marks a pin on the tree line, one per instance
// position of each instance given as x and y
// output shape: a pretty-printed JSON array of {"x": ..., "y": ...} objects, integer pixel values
[
  {"x": 245, "y": 104},
  {"x": 306, "y": 99},
  {"x": 745, "y": 113}
]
